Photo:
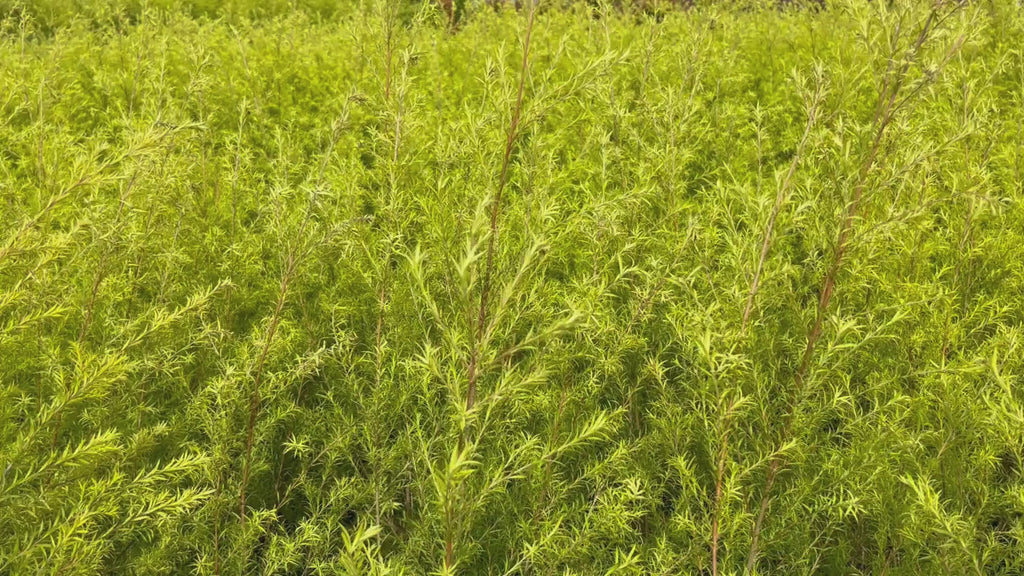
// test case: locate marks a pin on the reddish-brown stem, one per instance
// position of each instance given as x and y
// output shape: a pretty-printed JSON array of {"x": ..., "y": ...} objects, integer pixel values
[
  {"x": 101, "y": 267},
  {"x": 255, "y": 397},
  {"x": 449, "y": 553},
  {"x": 388, "y": 50},
  {"x": 216, "y": 530},
  {"x": 90, "y": 307},
  {"x": 12, "y": 242},
  {"x": 887, "y": 106},
  {"x": 477, "y": 335},
  {"x": 722, "y": 454},
  {"x": 813, "y": 335},
  {"x": 551, "y": 442},
  {"x": 448, "y": 7},
  {"x": 513, "y": 132},
  {"x": 780, "y": 198}
]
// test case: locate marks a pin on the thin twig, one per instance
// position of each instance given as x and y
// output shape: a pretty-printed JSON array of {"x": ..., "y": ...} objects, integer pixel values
[
  {"x": 513, "y": 133},
  {"x": 780, "y": 198},
  {"x": 886, "y": 109}
]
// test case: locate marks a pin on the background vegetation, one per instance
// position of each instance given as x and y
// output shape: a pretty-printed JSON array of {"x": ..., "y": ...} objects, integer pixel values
[{"x": 318, "y": 288}]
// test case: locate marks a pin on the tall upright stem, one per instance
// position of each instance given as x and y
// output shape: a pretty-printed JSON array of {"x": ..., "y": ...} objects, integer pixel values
[
  {"x": 492, "y": 240},
  {"x": 892, "y": 85}
]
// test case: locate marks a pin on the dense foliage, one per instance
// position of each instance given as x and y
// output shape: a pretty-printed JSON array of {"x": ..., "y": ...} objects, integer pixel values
[{"x": 585, "y": 289}]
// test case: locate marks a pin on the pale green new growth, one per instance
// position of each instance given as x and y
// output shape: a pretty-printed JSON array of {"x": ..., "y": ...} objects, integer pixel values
[{"x": 569, "y": 288}]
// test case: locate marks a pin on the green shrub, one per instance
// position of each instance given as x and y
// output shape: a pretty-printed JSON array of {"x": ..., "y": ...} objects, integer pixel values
[{"x": 322, "y": 288}]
